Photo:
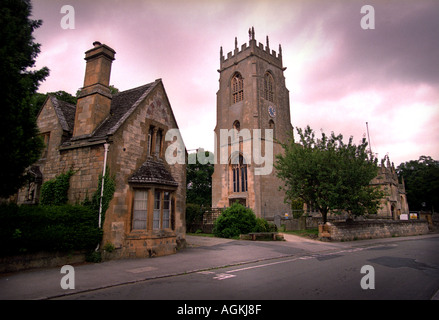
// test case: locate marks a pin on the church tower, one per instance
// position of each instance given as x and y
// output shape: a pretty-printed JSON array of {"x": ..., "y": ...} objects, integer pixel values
[{"x": 252, "y": 99}]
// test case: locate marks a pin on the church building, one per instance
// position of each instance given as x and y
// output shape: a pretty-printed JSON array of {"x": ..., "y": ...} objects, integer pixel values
[
  {"x": 394, "y": 202},
  {"x": 124, "y": 133},
  {"x": 253, "y": 106}
]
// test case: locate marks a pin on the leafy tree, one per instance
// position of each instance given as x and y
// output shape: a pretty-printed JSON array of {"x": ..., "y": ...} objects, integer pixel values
[
  {"x": 199, "y": 182},
  {"x": 38, "y": 99},
  {"x": 329, "y": 174},
  {"x": 421, "y": 179},
  {"x": 19, "y": 141}
]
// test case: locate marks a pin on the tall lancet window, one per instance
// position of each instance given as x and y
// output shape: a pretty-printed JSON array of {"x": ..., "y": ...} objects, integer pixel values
[
  {"x": 268, "y": 87},
  {"x": 237, "y": 88},
  {"x": 239, "y": 175}
]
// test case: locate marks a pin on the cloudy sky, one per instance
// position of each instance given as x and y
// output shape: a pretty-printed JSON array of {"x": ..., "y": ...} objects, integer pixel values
[{"x": 339, "y": 75}]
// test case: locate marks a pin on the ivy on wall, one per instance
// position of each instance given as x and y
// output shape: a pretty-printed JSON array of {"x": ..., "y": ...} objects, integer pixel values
[
  {"x": 109, "y": 188},
  {"x": 54, "y": 192}
]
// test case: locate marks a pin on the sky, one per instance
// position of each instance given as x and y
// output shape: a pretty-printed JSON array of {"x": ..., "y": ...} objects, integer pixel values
[{"x": 345, "y": 66}]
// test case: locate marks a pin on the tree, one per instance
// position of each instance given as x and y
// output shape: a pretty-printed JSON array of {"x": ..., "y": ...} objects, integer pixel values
[
  {"x": 329, "y": 174},
  {"x": 19, "y": 141},
  {"x": 421, "y": 179},
  {"x": 38, "y": 99},
  {"x": 199, "y": 181}
]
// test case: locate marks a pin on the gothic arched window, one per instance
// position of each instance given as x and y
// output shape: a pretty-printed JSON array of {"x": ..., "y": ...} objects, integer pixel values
[
  {"x": 268, "y": 87},
  {"x": 237, "y": 88},
  {"x": 239, "y": 175},
  {"x": 237, "y": 125},
  {"x": 272, "y": 126}
]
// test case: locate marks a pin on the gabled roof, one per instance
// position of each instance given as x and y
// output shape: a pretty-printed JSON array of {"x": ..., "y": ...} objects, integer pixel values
[
  {"x": 65, "y": 112},
  {"x": 122, "y": 106},
  {"x": 153, "y": 171}
]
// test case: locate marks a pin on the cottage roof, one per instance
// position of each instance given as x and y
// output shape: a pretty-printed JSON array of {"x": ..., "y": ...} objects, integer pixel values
[
  {"x": 153, "y": 171},
  {"x": 65, "y": 112},
  {"x": 122, "y": 106}
]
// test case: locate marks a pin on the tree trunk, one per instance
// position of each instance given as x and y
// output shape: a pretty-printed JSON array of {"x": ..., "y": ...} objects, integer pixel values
[{"x": 324, "y": 215}]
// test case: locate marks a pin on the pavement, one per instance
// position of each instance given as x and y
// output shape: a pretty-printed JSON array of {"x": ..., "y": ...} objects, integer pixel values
[{"x": 202, "y": 253}]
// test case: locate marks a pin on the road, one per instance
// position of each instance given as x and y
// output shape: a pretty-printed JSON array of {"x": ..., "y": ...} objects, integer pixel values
[{"x": 399, "y": 269}]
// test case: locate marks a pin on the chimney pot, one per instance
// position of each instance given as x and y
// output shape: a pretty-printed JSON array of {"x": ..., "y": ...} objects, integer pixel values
[{"x": 94, "y": 102}]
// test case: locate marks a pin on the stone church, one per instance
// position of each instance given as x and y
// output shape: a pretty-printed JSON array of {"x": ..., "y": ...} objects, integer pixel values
[
  {"x": 252, "y": 97},
  {"x": 125, "y": 133},
  {"x": 395, "y": 202}
]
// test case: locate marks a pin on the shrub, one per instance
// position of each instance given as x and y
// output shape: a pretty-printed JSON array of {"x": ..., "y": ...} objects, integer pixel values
[
  {"x": 194, "y": 215},
  {"x": 47, "y": 228},
  {"x": 263, "y": 226},
  {"x": 234, "y": 221}
]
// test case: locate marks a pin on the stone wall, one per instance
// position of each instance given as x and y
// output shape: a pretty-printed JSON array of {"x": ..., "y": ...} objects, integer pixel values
[
  {"x": 372, "y": 229},
  {"x": 40, "y": 260}
]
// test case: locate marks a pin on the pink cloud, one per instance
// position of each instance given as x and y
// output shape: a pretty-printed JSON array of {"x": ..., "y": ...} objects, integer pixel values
[{"x": 339, "y": 75}]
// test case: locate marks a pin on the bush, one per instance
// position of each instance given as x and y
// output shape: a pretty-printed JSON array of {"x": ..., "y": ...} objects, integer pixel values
[
  {"x": 47, "y": 228},
  {"x": 234, "y": 221},
  {"x": 263, "y": 226},
  {"x": 194, "y": 215}
]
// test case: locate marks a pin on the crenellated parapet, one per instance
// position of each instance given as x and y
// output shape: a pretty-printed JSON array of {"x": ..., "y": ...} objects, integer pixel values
[{"x": 249, "y": 49}]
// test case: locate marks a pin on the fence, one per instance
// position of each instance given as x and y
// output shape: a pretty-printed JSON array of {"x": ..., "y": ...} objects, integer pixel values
[{"x": 204, "y": 221}]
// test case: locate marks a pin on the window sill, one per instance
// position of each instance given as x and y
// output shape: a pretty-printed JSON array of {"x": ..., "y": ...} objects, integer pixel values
[{"x": 143, "y": 234}]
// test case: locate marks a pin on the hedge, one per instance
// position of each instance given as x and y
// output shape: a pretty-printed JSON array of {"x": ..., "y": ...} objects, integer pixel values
[
  {"x": 26, "y": 229},
  {"x": 234, "y": 221}
]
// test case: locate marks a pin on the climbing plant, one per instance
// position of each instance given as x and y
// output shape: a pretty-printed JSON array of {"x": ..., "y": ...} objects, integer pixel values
[
  {"x": 55, "y": 192},
  {"x": 109, "y": 188}
]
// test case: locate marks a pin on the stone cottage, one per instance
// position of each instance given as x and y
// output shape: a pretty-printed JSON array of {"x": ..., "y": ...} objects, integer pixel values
[{"x": 124, "y": 133}]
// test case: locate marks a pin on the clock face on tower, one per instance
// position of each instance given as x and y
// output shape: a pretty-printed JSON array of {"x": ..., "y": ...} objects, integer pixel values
[{"x": 272, "y": 111}]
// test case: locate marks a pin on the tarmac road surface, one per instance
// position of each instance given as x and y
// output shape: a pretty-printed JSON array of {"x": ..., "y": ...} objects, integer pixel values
[{"x": 211, "y": 268}]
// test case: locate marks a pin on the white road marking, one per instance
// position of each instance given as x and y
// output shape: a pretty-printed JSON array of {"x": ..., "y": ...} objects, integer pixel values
[
  {"x": 222, "y": 276},
  {"x": 227, "y": 274},
  {"x": 303, "y": 258}
]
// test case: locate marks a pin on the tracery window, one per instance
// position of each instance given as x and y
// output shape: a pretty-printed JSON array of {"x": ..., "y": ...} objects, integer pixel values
[
  {"x": 237, "y": 88},
  {"x": 239, "y": 174},
  {"x": 268, "y": 87}
]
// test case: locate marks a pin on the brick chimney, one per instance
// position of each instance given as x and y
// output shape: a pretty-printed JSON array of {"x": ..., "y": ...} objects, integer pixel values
[{"x": 94, "y": 101}]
